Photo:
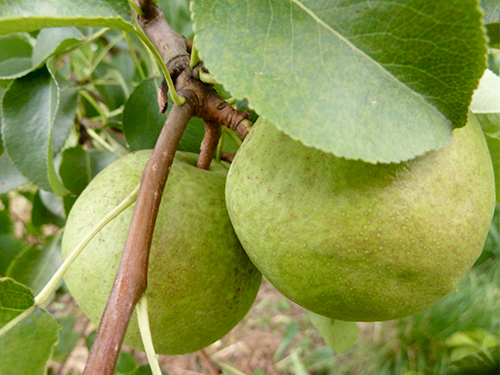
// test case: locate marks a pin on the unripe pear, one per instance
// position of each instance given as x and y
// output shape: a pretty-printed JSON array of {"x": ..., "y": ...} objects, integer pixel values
[
  {"x": 200, "y": 281},
  {"x": 356, "y": 241}
]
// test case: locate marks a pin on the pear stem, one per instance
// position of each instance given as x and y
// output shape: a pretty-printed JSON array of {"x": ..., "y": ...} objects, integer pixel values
[
  {"x": 147, "y": 339},
  {"x": 213, "y": 131},
  {"x": 44, "y": 295}
]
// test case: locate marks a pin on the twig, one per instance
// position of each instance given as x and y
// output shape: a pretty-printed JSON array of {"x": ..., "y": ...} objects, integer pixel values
[
  {"x": 202, "y": 101},
  {"x": 227, "y": 156},
  {"x": 131, "y": 279},
  {"x": 213, "y": 132},
  {"x": 212, "y": 367}
]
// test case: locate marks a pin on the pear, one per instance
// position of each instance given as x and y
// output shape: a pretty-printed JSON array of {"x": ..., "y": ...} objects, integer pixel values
[
  {"x": 200, "y": 281},
  {"x": 356, "y": 241}
]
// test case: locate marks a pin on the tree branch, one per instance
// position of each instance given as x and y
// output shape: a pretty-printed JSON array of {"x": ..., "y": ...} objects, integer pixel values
[
  {"x": 201, "y": 101},
  {"x": 131, "y": 279},
  {"x": 213, "y": 132}
]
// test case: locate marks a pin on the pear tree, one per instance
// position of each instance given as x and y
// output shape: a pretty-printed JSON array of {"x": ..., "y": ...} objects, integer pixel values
[{"x": 170, "y": 154}]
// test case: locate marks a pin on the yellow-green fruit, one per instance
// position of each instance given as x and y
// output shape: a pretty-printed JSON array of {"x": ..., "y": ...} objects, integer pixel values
[
  {"x": 357, "y": 241},
  {"x": 200, "y": 281}
]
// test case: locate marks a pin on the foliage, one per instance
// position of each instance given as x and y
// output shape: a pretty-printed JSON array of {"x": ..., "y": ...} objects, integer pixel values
[{"x": 78, "y": 88}]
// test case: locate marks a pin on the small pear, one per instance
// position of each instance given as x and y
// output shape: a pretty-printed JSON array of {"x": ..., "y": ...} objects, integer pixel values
[{"x": 200, "y": 281}]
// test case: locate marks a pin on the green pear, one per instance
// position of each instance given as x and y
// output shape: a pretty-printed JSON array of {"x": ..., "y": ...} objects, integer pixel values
[
  {"x": 200, "y": 281},
  {"x": 356, "y": 241}
]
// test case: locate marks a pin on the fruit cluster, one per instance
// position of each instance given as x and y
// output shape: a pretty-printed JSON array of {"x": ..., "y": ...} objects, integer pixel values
[{"x": 342, "y": 238}]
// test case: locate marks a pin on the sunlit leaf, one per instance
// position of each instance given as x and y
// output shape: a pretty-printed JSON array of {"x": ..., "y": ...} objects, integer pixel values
[
  {"x": 54, "y": 40},
  {"x": 492, "y": 20},
  {"x": 29, "y": 15},
  {"x": 486, "y": 107},
  {"x": 380, "y": 81}
]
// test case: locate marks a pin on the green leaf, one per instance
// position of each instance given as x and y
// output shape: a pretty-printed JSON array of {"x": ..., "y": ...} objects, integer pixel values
[
  {"x": 298, "y": 366},
  {"x": 36, "y": 264},
  {"x": 486, "y": 107},
  {"x": 492, "y": 20},
  {"x": 290, "y": 333},
  {"x": 339, "y": 335},
  {"x": 47, "y": 209},
  {"x": 54, "y": 40},
  {"x": 30, "y": 112},
  {"x": 19, "y": 57},
  {"x": 142, "y": 122},
  {"x": 75, "y": 170},
  {"x": 486, "y": 98},
  {"x": 65, "y": 115},
  {"x": 68, "y": 338},
  {"x": 145, "y": 370},
  {"x": 15, "y": 55},
  {"x": 463, "y": 351},
  {"x": 10, "y": 247},
  {"x": 27, "y": 347},
  {"x": 494, "y": 147},
  {"x": 100, "y": 160},
  {"x": 193, "y": 136},
  {"x": 6, "y": 224},
  {"x": 460, "y": 339},
  {"x": 2, "y": 90},
  {"x": 10, "y": 177},
  {"x": 29, "y": 15},
  {"x": 381, "y": 82},
  {"x": 14, "y": 299},
  {"x": 177, "y": 14},
  {"x": 126, "y": 363}
]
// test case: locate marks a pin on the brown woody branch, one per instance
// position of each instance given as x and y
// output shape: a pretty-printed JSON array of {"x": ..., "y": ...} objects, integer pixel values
[
  {"x": 213, "y": 132},
  {"x": 202, "y": 101},
  {"x": 131, "y": 279}
]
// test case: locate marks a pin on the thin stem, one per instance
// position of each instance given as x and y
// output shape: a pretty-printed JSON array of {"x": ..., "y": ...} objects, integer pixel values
[
  {"x": 213, "y": 131},
  {"x": 6, "y": 328},
  {"x": 171, "y": 87},
  {"x": 134, "y": 56},
  {"x": 212, "y": 367},
  {"x": 99, "y": 139},
  {"x": 207, "y": 78},
  {"x": 95, "y": 105},
  {"x": 147, "y": 339},
  {"x": 131, "y": 279},
  {"x": 233, "y": 135},
  {"x": 230, "y": 369},
  {"x": 218, "y": 152},
  {"x": 121, "y": 82},
  {"x": 42, "y": 297},
  {"x": 103, "y": 54},
  {"x": 136, "y": 7},
  {"x": 195, "y": 58}
]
